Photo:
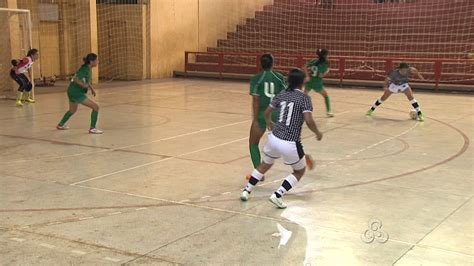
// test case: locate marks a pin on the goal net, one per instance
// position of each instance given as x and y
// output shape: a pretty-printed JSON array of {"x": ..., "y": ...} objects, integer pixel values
[
  {"x": 15, "y": 41},
  {"x": 422, "y": 29},
  {"x": 65, "y": 31}
]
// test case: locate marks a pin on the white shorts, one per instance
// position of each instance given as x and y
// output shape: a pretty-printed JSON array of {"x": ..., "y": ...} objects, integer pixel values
[
  {"x": 292, "y": 152},
  {"x": 398, "y": 88}
]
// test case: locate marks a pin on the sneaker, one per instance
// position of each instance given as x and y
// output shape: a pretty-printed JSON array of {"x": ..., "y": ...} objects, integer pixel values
[
  {"x": 369, "y": 113},
  {"x": 249, "y": 176},
  {"x": 59, "y": 127},
  {"x": 330, "y": 114},
  {"x": 421, "y": 117},
  {"x": 244, "y": 196},
  {"x": 277, "y": 201},
  {"x": 95, "y": 131},
  {"x": 19, "y": 103},
  {"x": 29, "y": 100}
]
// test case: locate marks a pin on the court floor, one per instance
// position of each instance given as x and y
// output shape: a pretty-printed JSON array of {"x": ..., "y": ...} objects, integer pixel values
[{"x": 161, "y": 185}]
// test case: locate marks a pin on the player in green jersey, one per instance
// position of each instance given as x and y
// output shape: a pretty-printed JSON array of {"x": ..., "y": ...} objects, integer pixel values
[
  {"x": 263, "y": 87},
  {"x": 318, "y": 69},
  {"x": 77, "y": 94}
]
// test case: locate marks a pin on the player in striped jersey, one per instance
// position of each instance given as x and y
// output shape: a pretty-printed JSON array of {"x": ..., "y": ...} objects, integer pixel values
[
  {"x": 263, "y": 87},
  {"x": 295, "y": 107},
  {"x": 18, "y": 73},
  {"x": 397, "y": 81}
]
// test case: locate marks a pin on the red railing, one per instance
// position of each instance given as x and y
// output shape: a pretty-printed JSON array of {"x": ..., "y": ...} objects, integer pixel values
[{"x": 249, "y": 63}]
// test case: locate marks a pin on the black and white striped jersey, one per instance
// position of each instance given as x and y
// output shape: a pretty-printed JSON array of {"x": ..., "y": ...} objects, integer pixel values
[{"x": 292, "y": 105}]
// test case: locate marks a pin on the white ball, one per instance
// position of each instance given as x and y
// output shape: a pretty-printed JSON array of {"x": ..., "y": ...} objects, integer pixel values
[{"x": 414, "y": 115}]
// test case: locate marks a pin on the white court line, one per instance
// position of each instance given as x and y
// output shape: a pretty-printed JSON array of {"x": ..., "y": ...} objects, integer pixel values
[
  {"x": 78, "y": 252},
  {"x": 183, "y": 203},
  {"x": 158, "y": 161},
  {"x": 128, "y": 146},
  {"x": 17, "y": 239},
  {"x": 86, "y": 218},
  {"x": 114, "y": 213},
  {"x": 112, "y": 259},
  {"x": 141, "y": 209},
  {"x": 47, "y": 245}
]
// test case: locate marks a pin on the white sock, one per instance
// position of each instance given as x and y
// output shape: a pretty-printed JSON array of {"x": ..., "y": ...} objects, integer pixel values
[
  {"x": 256, "y": 176},
  {"x": 290, "y": 182}
]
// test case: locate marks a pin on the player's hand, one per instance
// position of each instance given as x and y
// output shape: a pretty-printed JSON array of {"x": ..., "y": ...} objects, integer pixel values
[
  {"x": 319, "y": 136},
  {"x": 270, "y": 126},
  {"x": 93, "y": 92}
]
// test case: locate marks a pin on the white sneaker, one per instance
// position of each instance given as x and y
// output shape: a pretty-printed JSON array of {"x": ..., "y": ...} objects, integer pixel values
[
  {"x": 277, "y": 201},
  {"x": 59, "y": 127},
  {"x": 95, "y": 131},
  {"x": 330, "y": 114},
  {"x": 244, "y": 196}
]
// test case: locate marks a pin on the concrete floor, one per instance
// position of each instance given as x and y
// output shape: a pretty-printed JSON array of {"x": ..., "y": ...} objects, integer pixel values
[{"x": 161, "y": 186}]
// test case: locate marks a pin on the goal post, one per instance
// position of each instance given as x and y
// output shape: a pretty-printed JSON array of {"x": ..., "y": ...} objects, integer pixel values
[{"x": 15, "y": 41}]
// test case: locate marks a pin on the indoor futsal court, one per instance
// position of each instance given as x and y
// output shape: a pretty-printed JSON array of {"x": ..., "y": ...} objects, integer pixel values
[{"x": 127, "y": 131}]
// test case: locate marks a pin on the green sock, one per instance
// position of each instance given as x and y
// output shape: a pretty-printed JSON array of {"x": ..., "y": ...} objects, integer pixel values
[
  {"x": 328, "y": 103},
  {"x": 94, "y": 116},
  {"x": 66, "y": 117},
  {"x": 255, "y": 155}
]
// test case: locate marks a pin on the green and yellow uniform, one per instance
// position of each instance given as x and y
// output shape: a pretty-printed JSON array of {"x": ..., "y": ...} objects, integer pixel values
[
  {"x": 316, "y": 82},
  {"x": 266, "y": 85},
  {"x": 75, "y": 92}
]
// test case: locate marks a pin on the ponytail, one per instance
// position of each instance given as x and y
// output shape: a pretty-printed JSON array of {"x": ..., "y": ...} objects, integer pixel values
[
  {"x": 32, "y": 52},
  {"x": 89, "y": 58},
  {"x": 295, "y": 79},
  {"x": 323, "y": 56}
]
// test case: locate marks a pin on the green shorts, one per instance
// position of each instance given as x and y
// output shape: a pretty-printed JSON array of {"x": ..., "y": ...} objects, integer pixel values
[
  {"x": 317, "y": 86},
  {"x": 261, "y": 119},
  {"x": 76, "y": 96}
]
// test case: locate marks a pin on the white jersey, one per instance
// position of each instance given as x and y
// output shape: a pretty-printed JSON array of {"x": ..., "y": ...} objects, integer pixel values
[{"x": 24, "y": 65}]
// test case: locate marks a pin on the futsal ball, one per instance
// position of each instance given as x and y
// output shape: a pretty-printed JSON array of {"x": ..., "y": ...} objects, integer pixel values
[{"x": 414, "y": 115}]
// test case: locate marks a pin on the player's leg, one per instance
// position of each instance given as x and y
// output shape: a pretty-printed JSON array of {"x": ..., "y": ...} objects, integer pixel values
[
  {"x": 327, "y": 101},
  {"x": 256, "y": 133},
  {"x": 27, "y": 92},
  {"x": 21, "y": 86},
  {"x": 72, "y": 110},
  {"x": 270, "y": 154},
  {"x": 379, "y": 101},
  {"x": 94, "y": 115},
  {"x": 294, "y": 156},
  {"x": 409, "y": 93}
]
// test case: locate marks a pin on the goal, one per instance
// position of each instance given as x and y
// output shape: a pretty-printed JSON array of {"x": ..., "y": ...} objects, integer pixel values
[{"x": 15, "y": 41}]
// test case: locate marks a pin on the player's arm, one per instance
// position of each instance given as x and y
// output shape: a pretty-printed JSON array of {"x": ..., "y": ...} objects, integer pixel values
[
  {"x": 268, "y": 119},
  {"x": 415, "y": 71},
  {"x": 79, "y": 82},
  {"x": 92, "y": 90},
  {"x": 322, "y": 75},
  {"x": 308, "y": 118},
  {"x": 255, "y": 107},
  {"x": 386, "y": 83}
]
